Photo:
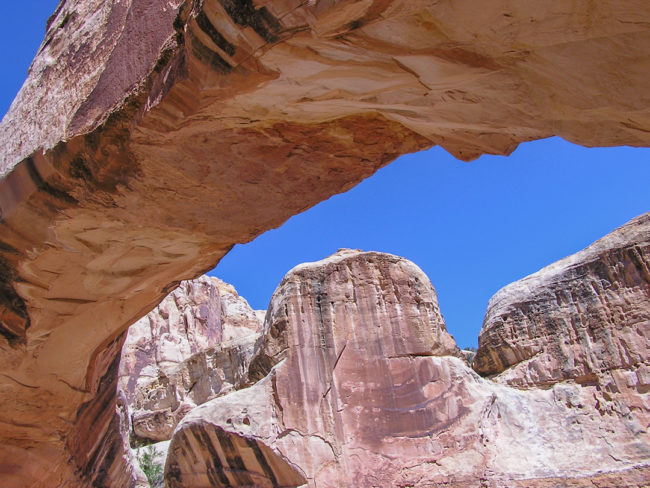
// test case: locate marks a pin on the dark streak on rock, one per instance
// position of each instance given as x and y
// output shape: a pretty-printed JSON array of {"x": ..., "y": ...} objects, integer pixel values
[
  {"x": 96, "y": 442},
  {"x": 238, "y": 468},
  {"x": 355, "y": 24},
  {"x": 13, "y": 304},
  {"x": 8, "y": 249},
  {"x": 259, "y": 455},
  {"x": 208, "y": 56},
  {"x": 214, "y": 465},
  {"x": 79, "y": 169},
  {"x": 109, "y": 449},
  {"x": 45, "y": 187},
  {"x": 206, "y": 26},
  {"x": 244, "y": 13}
]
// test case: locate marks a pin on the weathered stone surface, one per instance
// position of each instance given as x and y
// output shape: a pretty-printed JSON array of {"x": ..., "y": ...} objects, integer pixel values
[
  {"x": 200, "y": 314},
  {"x": 161, "y": 403},
  {"x": 152, "y": 135},
  {"x": 385, "y": 302},
  {"x": 106, "y": 454},
  {"x": 469, "y": 355},
  {"x": 369, "y": 391},
  {"x": 194, "y": 346},
  {"x": 585, "y": 318}
]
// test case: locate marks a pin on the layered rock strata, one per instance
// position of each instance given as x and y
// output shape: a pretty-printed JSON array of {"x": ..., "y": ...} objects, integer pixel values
[
  {"x": 584, "y": 319},
  {"x": 367, "y": 389},
  {"x": 161, "y": 403},
  {"x": 196, "y": 345},
  {"x": 152, "y": 135}
]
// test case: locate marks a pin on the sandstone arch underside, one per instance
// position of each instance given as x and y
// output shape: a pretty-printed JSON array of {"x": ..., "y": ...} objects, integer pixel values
[{"x": 152, "y": 135}]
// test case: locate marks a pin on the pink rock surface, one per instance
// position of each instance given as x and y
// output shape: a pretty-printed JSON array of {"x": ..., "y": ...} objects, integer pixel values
[
  {"x": 194, "y": 346},
  {"x": 153, "y": 135},
  {"x": 367, "y": 389},
  {"x": 584, "y": 319},
  {"x": 581, "y": 317}
]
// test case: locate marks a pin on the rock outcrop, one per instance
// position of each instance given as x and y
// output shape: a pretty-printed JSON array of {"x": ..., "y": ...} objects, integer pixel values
[
  {"x": 153, "y": 135},
  {"x": 381, "y": 305},
  {"x": 196, "y": 345},
  {"x": 585, "y": 318},
  {"x": 366, "y": 388}
]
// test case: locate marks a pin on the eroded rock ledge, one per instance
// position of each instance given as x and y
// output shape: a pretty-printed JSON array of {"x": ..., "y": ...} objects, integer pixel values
[
  {"x": 365, "y": 388},
  {"x": 152, "y": 135},
  {"x": 195, "y": 345},
  {"x": 585, "y": 318}
]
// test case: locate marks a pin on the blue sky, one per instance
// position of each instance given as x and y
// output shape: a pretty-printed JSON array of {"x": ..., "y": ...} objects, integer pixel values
[{"x": 472, "y": 227}]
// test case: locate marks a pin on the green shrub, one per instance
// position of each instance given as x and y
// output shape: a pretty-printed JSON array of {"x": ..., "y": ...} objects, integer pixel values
[{"x": 152, "y": 469}]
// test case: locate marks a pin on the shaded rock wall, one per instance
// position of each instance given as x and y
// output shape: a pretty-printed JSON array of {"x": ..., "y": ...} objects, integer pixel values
[
  {"x": 161, "y": 403},
  {"x": 367, "y": 389},
  {"x": 152, "y": 135},
  {"x": 200, "y": 314}
]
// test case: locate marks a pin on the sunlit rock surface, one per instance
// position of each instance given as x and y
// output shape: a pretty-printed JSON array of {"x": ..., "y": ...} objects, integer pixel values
[
  {"x": 152, "y": 135},
  {"x": 585, "y": 319},
  {"x": 367, "y": 389},
  {"x": 381, "y": 305},
  {"x": 194, "y": 346},
  {"x": 582, "y": 320}
]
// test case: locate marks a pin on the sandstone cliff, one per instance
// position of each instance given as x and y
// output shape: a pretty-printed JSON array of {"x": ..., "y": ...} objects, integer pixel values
[
  {"x": 194, "y": 346},
  {"x": 365, "y": 388},
  {"x": 577, "y": 319},
  {"x": 585, "y": 319},
  {"x": 152, "y": 135}
]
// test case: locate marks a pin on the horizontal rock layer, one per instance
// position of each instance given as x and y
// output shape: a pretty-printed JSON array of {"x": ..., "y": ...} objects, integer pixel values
[
  {"x": 152, "y": 135},
  {"x": 367, "y": 389}
]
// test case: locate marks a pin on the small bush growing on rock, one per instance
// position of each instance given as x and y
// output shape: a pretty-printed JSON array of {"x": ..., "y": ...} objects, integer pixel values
[
  {"x": 152, "y": 469},
  {"x": 470, "y": 354}
]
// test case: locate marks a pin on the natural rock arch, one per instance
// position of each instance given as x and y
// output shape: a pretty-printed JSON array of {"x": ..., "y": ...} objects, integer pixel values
[{"x": 152, "y": 135}]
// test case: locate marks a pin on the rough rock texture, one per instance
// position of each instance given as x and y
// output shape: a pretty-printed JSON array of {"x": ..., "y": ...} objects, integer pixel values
[
  {"x": 585, "y": 318},
  {"x": 382, "y": 306},
  {"x": 198, "y": 315},
  {"x": 152, "y": 135},
  {"x": 370, "y": 391},
  {"x": 196, "y": 345},
  {"x": 161, "y": 403}
]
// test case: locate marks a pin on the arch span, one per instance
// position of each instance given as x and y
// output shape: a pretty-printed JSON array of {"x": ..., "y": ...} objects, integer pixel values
[{"x": 152, "y": 135}]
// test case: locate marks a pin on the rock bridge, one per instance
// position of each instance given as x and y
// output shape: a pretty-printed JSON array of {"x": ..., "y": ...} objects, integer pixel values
[{"x": 153, "y": 135}]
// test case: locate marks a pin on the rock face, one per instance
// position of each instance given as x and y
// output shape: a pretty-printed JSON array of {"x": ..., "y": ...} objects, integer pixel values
[
  {"x": 196, "y": 345},
  {"x": 153, "y": 135},
  {"x": 380, "y": 305},
  {"x": 585, "y": 318},
  {"x": 367, "y": 389},
  {"x": 161, "y": 403}
]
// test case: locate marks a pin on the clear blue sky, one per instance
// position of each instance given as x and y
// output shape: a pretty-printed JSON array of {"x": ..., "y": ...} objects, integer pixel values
[{"x": 472, "y": 227}]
